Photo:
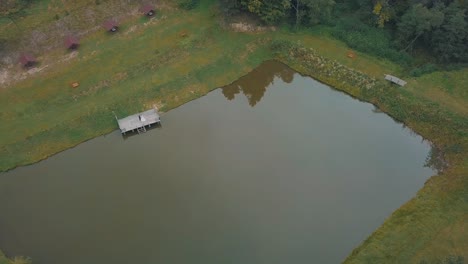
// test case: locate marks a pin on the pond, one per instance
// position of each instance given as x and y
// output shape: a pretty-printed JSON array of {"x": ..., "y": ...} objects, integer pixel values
[{"x": 286, "y": 170}]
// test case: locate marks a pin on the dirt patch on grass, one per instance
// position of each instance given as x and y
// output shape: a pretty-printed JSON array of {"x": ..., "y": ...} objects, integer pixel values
[
  {"x": 4, "y": 77},
  {"x": 245, "y": 23},
  {"x": 16, "y": 73},
  {"x": 131, "y": 29},
  {"x": 57, "y": 23},
  {"x": 246, "y": 27}
]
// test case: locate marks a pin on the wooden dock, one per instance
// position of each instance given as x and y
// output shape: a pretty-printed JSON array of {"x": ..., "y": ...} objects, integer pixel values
[
  {"x": 139, "y": 121},
  {"x": 395, "y": 80}
]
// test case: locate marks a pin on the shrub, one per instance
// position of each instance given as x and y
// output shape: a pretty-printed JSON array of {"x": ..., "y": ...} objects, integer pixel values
[
  {"x": 423, "y": 69},
  {"x": 368, "y": 39},
  {"x": 455, "y": 66},
  {"x": 280, "y": 45}
]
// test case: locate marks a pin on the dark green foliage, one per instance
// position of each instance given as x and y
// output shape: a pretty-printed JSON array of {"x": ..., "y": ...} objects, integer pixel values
[
  {"x": 424, "y": 69},
  {"x": 188, "y": 4},
  {"x": 279, "y": 45},
  {"x": 230, "y": 7},
  {"x": 390, "y": 29},
  {"x": 440, "y": 29},
  {"x": 417, "y": 22},
  {"x": 269, "y": 12},
  {"x": 455, "y": 66},
  {"x": 449, "y": 41},
  {"x": 312, "y": 12},
  {"x": 306, "y": 12},
  {"x": 369, "y": 39}
]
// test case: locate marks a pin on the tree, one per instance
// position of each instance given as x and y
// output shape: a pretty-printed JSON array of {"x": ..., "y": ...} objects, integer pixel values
[
  {"x": 230, "y": 7},
  {"x": 270, "y": 11},
  {"x": 318, "y": 10},
  {"x": 311, "y": 12},
  {"x": 383, "y": 12},
  {"x": 449, "y": 41},
  {"x": 418, "y": 21},
  {"x": 297, "y": 8}
]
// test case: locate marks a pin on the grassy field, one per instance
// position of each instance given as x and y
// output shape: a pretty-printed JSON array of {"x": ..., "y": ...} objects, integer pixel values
[{"x": 181, "y": 55}]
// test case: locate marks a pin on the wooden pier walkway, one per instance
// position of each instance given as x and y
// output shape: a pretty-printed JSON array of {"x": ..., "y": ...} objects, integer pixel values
[{"x": 139, "y": 121}]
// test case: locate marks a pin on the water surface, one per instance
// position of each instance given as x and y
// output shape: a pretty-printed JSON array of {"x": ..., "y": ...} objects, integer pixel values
[{"x": 286, "y": 170}]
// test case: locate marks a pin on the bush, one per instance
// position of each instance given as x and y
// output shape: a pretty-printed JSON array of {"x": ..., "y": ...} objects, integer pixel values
[
  {"x": 455, "y": 66},
  {"x": 280, "y": 45},
  {"x": 424, "y": 69},
  {"x": 229, "y": 7},
  {"x": 368, "y": 39},
  {"x": 188, "y": 4}
]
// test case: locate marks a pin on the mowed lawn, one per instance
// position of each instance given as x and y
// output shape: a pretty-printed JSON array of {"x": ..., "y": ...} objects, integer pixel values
[
  {"x": 181, "y": 55},
  {"x": 176, "y": 57}
]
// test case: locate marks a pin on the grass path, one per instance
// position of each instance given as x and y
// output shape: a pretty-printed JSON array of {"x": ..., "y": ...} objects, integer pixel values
[{"x": 179, "y": 56}]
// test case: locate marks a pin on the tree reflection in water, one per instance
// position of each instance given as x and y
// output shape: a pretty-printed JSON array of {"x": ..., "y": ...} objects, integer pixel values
[{"x": 254, "y": 84}]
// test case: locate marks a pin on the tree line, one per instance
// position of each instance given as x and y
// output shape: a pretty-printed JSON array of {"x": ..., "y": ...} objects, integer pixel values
[
  {"x": 438, "y": 27},
  {"x": 307, "y": 12},
  {"x": 393, "y": 29}
]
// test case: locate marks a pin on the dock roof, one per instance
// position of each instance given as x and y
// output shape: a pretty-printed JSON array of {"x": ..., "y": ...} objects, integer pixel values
[{"x": 139, "y": 120}]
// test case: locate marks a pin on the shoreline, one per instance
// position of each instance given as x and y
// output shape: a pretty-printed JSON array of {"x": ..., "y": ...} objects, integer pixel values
[{"x": 344, "y": 92}]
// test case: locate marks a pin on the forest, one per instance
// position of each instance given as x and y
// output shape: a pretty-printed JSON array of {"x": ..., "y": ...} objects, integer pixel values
[
  {"x": 432, "y": 32},
  {"x": 427, "y": 33}
]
